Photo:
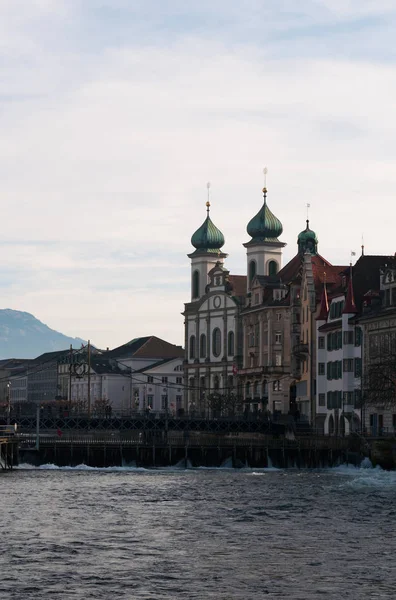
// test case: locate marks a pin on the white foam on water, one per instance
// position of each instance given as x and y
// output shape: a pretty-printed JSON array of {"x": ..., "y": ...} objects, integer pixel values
[
  {"x": 82, "y": 467},
  {"x": 366, "y": 476}
]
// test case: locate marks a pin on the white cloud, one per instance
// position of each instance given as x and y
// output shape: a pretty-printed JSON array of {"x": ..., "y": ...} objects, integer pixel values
[{"x": 105, "y": 157}]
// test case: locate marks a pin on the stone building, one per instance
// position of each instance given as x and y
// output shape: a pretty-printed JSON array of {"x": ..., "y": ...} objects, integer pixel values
[
  {"x": 212, "y": 325},
  {"x": 265, "y": 372}
]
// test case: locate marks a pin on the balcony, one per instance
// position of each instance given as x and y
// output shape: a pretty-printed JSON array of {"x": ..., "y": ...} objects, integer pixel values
[{"x": 301, "y": 349}]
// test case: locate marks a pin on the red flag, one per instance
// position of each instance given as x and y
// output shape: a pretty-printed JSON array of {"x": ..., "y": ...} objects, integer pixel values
[
  {"x": 59, "y": 433},
  {"x": 234, "y": 370}
]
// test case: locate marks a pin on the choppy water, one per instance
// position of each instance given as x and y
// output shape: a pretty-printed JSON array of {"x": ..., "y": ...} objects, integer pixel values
[{"x": 197, "y": 534}]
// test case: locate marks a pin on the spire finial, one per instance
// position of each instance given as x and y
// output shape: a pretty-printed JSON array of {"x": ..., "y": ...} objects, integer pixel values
[
  {"x": 362, "y": 245},
  {"x": 208, "y": 200},
  {"x": 265, "y": 171},
  {"x": 308, "y": 207}
]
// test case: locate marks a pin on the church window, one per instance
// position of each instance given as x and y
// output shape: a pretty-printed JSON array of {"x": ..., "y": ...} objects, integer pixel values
[
  {"x": 231, "y": 342},
  {"x": 252, "y": 270},
  {"x": 272, "y": 267},
  {"x": 202, "y": 346},
  {"x": 216, "y": 342},
  {"x": 195, "y": 284},
  {"x": 192, "y": 346}
]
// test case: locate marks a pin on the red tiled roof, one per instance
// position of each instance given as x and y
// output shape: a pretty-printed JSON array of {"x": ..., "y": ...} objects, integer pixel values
[{"x": 239, "y": 284}]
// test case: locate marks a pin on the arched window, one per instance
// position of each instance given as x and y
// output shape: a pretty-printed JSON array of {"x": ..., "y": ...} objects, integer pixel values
[
  {"x": 216, "y": 383},
  {"x": 192, "y": 346},
  {"x": 248, "y": 389},
  {"x": 255, "y": 389},
  {"x": 195, "y": 284},
  {"x": 231, "y": 341},
  {"x": 252, "y": 271},
  {"x": 272, "y": 267},
  {"x": 216, "y": 342},
  {"x": 202, "y": 346}
]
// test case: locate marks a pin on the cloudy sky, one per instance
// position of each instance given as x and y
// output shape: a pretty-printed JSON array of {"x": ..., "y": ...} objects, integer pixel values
[{"x": 115, "y": 113}]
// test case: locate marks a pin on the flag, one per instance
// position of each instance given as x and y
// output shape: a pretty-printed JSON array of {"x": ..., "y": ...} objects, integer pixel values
[
  {"x": 353, "y": 253},
  {"x": 234, "y": 370},
  {"x": 59, "y": 433}
]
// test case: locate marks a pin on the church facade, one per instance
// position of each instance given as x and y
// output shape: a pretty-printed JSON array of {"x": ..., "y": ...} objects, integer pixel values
[{"x": 245, "y": 338}]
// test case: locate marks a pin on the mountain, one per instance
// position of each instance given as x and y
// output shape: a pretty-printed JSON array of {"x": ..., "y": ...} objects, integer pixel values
[{"x": 24, "y": 336}]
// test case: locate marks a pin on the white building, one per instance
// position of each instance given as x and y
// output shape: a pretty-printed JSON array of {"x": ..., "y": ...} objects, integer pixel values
[
  {"x": 213, "y": 328},
  {"x": 339, "y": 364},
  {"x": 120, "y": 377},
  {"x": 159, "y": 387}
]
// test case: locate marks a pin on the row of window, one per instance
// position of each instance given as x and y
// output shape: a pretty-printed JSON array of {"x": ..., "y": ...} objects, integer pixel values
[
  {"x": 216, "y": 344},
  {"x": 336, "y": 339},
  {"x": 179, "y": 380},
  {"x": 272, "y": 269},
  {"x": 337, "y": 367},
  {"x": 336, "y": 399},
  {"x": 253, "y": 390},
  {"x": 382, "y": 344}
]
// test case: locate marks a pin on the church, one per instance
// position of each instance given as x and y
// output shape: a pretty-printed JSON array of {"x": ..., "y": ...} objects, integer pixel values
[{"x": 243, "y": 350}]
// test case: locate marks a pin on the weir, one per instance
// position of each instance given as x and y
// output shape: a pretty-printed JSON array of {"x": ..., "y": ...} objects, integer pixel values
[{"x": 196, "y": 449}]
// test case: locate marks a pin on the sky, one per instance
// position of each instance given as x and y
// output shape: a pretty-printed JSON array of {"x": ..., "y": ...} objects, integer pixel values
[{"x": 114, "y": 115}]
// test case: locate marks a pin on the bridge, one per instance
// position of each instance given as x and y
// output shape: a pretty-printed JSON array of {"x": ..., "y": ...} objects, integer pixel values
[{"x": 8, "y": 448}]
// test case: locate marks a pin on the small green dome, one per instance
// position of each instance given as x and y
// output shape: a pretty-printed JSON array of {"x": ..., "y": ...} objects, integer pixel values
[
  {"x": 307, "y": 240},
  {"x": 264, "y": 226},
  {"x": 208, "y": 237}
]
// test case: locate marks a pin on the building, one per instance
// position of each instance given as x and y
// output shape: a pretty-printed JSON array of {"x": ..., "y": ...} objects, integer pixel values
[
  {"x": 117, "y": 378},
  {"x": 158, "y": 388},
  {"x": 212, "y": 325},
  {"x": 378, "y": 322},
  {"x": 265, "y": 373},
  {"x": 351, "y": 317},
  {"x": 305, "y": 275},
  {"x": 36, "y": 382},
  {"x": 339, "y": 364}
]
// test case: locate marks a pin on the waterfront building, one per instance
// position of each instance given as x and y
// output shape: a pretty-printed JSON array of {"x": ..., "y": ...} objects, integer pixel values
[
  {"x": 378, "y": 322},
  {"x": 339, "y": 363},
  {"x": 212, "y": 325},
  {"x": 265, "y": 373},
  {"x": 120, "y": 378},
  {"x": 351, "y": 317},
  {"x": 158, "y": 388},
  {"x": 306, "y": 273}
]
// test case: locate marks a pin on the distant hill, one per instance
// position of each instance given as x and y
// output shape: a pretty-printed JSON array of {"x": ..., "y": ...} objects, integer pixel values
[{"x": 24, "y": 336}]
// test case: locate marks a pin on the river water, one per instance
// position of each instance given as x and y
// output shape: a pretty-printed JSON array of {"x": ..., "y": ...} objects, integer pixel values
[{"x": 197, "y": 534}]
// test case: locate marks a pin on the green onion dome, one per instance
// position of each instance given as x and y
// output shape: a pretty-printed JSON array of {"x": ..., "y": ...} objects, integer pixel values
[
  {"x": 264, "y": 227},
  {"x": 307, "y": 240},
  {"x": 208, "y": 237}
]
